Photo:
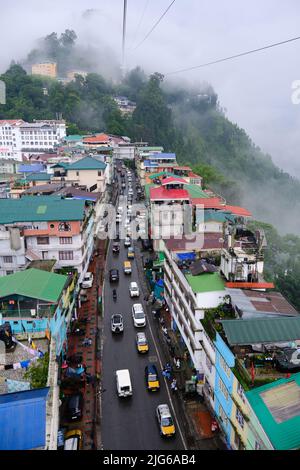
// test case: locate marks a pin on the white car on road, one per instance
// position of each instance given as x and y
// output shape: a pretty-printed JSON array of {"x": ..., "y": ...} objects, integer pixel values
[
  {"x": 87, "y": 280},
  {"x": 134, "y": 289}
]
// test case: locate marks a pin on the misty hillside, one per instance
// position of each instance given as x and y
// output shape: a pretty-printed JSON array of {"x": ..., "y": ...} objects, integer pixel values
[{"x": 190, "y": 122}]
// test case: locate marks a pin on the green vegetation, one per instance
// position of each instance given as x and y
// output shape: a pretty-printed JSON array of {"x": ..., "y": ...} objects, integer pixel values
[
  {"x": 189, "y": 122},
  {"x": 37, "y": 372}
]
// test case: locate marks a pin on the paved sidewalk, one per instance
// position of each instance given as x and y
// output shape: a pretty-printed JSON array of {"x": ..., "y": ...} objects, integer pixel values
[{"x": 90, "y": 354}]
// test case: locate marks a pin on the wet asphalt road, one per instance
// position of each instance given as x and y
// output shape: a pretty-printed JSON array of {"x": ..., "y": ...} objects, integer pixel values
[{"x": 129, "y": 424}]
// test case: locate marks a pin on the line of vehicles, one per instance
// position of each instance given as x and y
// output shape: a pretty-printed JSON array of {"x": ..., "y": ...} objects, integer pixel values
[{"x": 123, "y": 379}]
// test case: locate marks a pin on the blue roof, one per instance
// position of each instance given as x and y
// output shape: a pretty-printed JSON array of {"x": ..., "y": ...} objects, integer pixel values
[
  {"x": 34, "y": 168},
  {"x": 23, "y": 419},
  {"x": 159, "y": 156}
]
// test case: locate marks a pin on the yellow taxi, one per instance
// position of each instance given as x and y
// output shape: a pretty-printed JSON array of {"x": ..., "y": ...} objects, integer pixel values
[
  {"x": 165, "y": 421},
  {"x": 151, "y": 378},
  {"x": 142, "y": 343},
  {"x": 73, "y": 440}
]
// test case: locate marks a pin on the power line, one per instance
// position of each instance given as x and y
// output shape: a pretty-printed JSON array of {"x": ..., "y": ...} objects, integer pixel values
[
  {"x": 124, "y": 34},
  {"x": 234, "y": 56},
  {"x": 141, "y": 20},
  {"x": 156, "y": 24}
]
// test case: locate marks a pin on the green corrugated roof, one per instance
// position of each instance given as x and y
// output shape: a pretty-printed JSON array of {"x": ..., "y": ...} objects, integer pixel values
[
  {"x": 87, "y": 163},
  {"x": 40, "y": 209},
  {"x": 195, "y": 191},
  {"x": 207, "y": 282},
  {"x": 150, "y": 149},
  {"x": 161, "y": 173},
  {"x": 33, "y": 283},
  {"x": 218, "y": 216},
  {"x": 262, "y": 330},
  {"x": 284, "y": 435},
  {"x": 38, "y": 177},
  {"x": 75, "y": 137}
]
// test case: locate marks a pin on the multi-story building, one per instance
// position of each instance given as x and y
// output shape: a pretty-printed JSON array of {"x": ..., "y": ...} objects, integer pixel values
[
  {"x": 88, "y": 173},
  {"x": 19, "y": 139},
  {"x": 243, "y": 258},
  {"x": 188, "y": 296},
  {"x": 46, "y": 69},
  {"x": 45, "y": 227}
]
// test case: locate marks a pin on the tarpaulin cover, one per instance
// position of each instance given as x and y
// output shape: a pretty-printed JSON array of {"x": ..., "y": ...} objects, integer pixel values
[{"x": 186, "y": 256}]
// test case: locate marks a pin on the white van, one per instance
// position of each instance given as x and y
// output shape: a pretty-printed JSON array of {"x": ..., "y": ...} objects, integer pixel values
[{"x": 124, "y": 387}]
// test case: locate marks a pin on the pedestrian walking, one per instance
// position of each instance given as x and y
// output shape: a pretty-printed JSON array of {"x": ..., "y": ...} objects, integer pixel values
[{"x": 174, "y": 385}]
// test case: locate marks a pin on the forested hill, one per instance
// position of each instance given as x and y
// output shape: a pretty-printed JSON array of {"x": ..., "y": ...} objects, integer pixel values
[{"x": 187, "y": 121}]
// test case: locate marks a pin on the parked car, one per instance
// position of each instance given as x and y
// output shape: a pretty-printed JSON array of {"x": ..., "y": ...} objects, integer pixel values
[
  {"x": 73, "y": 440},
  {"x": 134, "y": 289},
  {"x": 74, "y": 407},
  {"x": 114, "y": 275},
  {"x": 151, "y": 378},
  {"x": 130, "y": 252},
  {"x": 142, "y": 343},
  {"x": 138, "y": 315},
  {"x": 147, "y": 244},
  {"x": 165, "y": 421},
  {"x": 117, "y": 325},
  {"x": 87, "y": 280}
]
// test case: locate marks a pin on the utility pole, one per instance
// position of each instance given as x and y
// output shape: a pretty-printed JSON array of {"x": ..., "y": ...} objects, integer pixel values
[{"x": 124, "y": 36}]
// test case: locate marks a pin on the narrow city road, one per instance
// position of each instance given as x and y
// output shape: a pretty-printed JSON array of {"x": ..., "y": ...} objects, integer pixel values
[{"x": 129, "y": 424}]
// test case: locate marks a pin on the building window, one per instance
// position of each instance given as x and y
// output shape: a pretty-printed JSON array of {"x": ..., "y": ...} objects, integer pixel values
[
  {"x": 99, "y": 173},
  {"x": 65, "y": 240},
  {"x": 239, "y": 418},
  {"x": 9, "y": 272},
  {"x": 240, "y": 392},
  {"x": 223, "y": 388},
  {"x": 65, "y": 255},
  {"x": 42, "y": 240},
  {"x": 225, "y": 367},
  {"x": 208, "y": 363},
  {"x": 7, "y": 259},
  {"x": 222, "y": 415}
]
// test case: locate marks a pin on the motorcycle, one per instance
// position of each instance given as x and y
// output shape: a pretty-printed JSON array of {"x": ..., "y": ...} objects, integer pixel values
[{"x": 114, "y": 294}]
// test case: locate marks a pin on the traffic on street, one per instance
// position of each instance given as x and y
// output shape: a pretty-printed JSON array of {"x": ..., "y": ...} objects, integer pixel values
[{"x": 136, "y": 402}]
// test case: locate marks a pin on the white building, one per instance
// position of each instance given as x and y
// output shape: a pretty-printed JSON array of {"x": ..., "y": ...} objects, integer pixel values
[
  {"x": 187, "y": 297},
  {"x": 19, "y": 138}
]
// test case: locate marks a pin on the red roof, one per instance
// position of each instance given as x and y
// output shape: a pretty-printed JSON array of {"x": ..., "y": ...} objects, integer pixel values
[
  {"x": 11, "y": 121},
  {"x": 95, "y": 139},
  {"x": 184, "y": 168},
  {"x": 162, "y": 193},
  {"x": 250, "y": 285},
  {"x": 236, "y": 210},
  {"x": 172, "y": 180},
  {"x": 209, "y": 202},
  {"x": 193, "y": 175}
]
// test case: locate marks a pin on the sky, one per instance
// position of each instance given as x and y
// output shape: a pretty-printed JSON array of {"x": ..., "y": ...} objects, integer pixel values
[{"x": 255, "y": 90}]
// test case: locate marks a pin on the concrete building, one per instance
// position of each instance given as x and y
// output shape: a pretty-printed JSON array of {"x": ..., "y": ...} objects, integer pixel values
[
  {"x": 88, "y": 173},
  {"x": 187, "y": 297},
  {"x": 45, "y": 227},
  {"x": 19, "y": 139},
  {"x": 243, "y": 258},
  {"x": 45, "y": 69}
]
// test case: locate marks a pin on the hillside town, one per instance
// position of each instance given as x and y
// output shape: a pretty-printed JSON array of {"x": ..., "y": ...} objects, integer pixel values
[{"x": 96, "y": 229}]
